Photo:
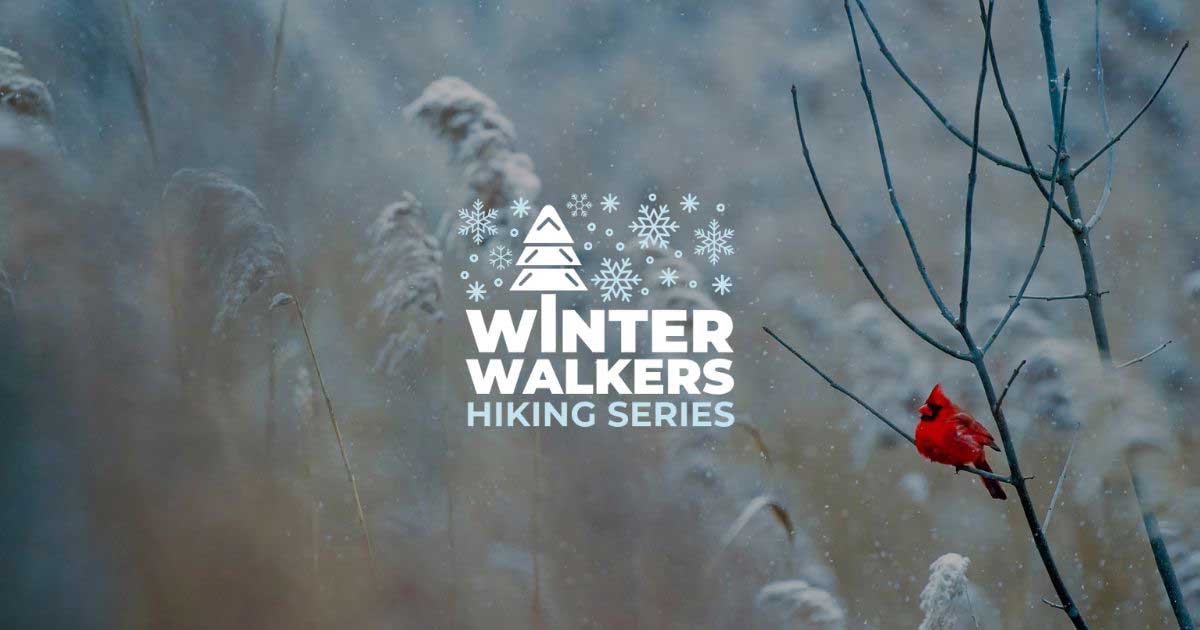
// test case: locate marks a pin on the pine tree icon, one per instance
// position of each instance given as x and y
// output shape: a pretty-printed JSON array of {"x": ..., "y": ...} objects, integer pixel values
[{"x": 548, "y": 257}]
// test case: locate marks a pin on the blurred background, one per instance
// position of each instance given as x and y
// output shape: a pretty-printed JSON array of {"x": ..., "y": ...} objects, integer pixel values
[{"x": 171, "y": 168}]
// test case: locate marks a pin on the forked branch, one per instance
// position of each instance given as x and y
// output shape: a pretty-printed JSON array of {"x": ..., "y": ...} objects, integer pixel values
[
  {"x": 887, "y": 172},
  {"x": 1120, "y": 134},
  {"x": 937, "y": 113},
  {"x": 862, "y": 266},
  {"x": 1059, "y": 142},
  {"x": 1144, "y": 356}
]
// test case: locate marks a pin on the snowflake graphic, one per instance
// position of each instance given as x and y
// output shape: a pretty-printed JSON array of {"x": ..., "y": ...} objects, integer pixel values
[
  {"x": 476, "y": 223},
  {"x": 722, "y": 284},
  {"x": 500, "y": 257},
  {"x": 689, "y": 203},
  {"x": 668, "y": 277},
  {"x": 714, "y": 242},
  {"x": 616, "y": 280},
  {"x": 609, "y": 203},
  {"x": 579, "y": 205},
  {"x": 520, "y": 208},
  {"x": 653, "y": 226},
  {"x": 476, "y": 292}
]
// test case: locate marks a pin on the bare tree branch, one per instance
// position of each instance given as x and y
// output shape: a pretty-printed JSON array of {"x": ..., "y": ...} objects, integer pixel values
[
  {"x": 1112, "y": 153},
  {"x": 937, "y": 113},
  {"x": 1055, "y": 298},
  {"x": 1004, "y": 394},
  {"x": 1016, "y": 127},
  {"x": 1037, "y": 256},
  {"x": 834, "y": 384},
  {"x": 972, "y": 175},
  {"x": 887, "y": 172},
  {"x": 1029, "y": 169},
  {"x": 1117, "y": 138},
  {"x": 862, "y": 266},
  {"x": 1162, "y": 557},
  {"x": 1144, "y": 356},
  {"x": 862, "y": 403},
  {"x": 1044, "y": 25},
  {"x": 1061, "y": 477}
]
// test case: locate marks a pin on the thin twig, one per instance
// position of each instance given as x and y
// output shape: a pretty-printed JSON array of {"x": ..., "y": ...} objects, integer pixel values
[
  {"x": 1029, "y": 168},
  {"x": 1061, "y": 477},
  {"x": 973, "y": 172},
  {"x": 1144, "y": 356},
  {"x": 1112, "y": 153},
  {"x": 1055, "y": 298},
  {"x": 882, "y": 418},
  {"x": 1020, "y": 136},
  {"x": 862, "y": 266},
  {"x": 937, "y": 113},
  {"x": 1045, "y": 26},
  {"x": 337, "y": 432},
  {"x": 887, "y": 171},
  {"x": 834, "y": 384},
  {"x": 1052, "y": 604},
  {"x": 1059, "y": 141},
  {"x": 1004, "y": 394},
  {"x": 278, "y": 55},
  {"x": 1117, "y": 138}
]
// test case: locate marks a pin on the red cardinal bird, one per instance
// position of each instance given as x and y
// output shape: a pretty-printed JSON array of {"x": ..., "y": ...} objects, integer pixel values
[{"x": 949, "y": 435}]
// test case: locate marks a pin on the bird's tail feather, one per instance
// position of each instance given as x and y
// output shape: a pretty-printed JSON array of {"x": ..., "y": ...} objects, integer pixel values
[{"x": 993, "y": 487}]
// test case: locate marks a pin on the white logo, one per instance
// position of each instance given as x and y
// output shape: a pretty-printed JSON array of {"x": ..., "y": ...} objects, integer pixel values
[{"x": 548, "y": 257}]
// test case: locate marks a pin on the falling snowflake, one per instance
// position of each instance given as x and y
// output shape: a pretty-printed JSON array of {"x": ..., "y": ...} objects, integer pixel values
[
  {"x": 653, "y": 226},
  {"x": 689, "y": 203},
  {"x": 579, "y": 205},
  {"x": 609, "y": 203},
  {"x": 477, "y": 224},
  {"x": 476, "y": 292},
  {"x": 500, "y": 257},
  {"x": 520, "y": 208},
  {"x": 722, "y": 284},
  {"x": 616, "y": 280},
  {"x": 668, "y": 277},
  {"x": 714, "y": 242}
]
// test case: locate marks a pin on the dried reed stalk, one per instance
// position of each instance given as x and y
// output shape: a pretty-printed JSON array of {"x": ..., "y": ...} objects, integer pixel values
[
  {"x": 138, "y": 80},
  {"x": 277, "y": 56},
  {"x": 281, "y": 300},
  {"x": 779, "y": 513}
]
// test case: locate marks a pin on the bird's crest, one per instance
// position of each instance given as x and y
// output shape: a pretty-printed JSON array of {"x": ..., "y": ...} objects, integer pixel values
[
  {"x": 935, "y": 404},
  {"x": 938, "y": 396}
]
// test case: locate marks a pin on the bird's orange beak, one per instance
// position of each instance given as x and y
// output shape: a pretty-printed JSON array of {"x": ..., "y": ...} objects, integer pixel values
[{"x": 925, "y": 412}]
